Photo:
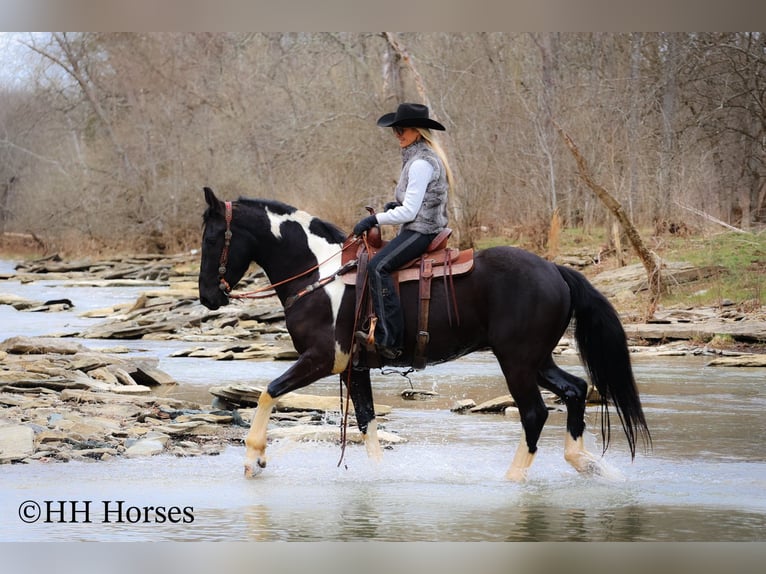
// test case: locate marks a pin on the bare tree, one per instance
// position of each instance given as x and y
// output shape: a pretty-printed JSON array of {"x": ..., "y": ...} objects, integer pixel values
[
  {"x": 649, "y": 259},
  {"x": 119, "y": 132}
]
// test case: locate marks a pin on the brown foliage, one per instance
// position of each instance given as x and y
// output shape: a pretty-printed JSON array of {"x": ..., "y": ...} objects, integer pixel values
[{"x": 116, "y": 136}]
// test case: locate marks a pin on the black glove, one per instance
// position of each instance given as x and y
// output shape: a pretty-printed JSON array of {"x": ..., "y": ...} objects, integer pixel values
[
  {"x": 391, "y": 205},
  {"x": 365, "y": 224}
]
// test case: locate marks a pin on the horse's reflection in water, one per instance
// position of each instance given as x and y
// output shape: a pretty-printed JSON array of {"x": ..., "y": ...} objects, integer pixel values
[{"x": 513, "y": 303}]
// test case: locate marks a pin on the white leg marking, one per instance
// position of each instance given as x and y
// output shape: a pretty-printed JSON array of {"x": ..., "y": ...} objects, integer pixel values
[
  {"x": 372, "y": 443},
  {"x": 576, "y": 454},
  {"x": 585, "y": 462},
  {"x": 521, "y": 463},
  {"x": 255, "y": 442}
]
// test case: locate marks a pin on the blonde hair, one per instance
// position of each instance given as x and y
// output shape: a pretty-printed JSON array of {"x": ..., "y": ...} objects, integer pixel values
[{"x": 427, "y": 135}]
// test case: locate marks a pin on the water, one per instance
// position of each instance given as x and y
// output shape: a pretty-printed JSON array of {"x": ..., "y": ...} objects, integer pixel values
[{"x": 705, "y": 479}]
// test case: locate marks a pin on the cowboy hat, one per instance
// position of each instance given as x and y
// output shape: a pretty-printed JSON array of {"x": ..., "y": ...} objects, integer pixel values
[{"x": 409, "y": 116}]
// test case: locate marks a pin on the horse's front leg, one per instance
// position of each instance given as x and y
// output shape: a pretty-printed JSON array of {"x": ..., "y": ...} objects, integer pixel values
[
  {"x": 360, "y": 389},
  {"x": 309, "y": 367},
  {"x": 255, "y": 441}
]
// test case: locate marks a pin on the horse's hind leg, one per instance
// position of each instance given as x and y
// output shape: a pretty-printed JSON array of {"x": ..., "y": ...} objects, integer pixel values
[
  {"x": 573, "y": 391},
  {"x": 533, "y": 413}
]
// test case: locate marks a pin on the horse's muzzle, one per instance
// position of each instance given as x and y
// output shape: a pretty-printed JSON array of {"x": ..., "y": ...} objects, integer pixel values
[{"x": 215, "y": 302}]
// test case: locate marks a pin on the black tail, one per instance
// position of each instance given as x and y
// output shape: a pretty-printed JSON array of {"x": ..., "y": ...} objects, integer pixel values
[{"x": 604, "y": 352}]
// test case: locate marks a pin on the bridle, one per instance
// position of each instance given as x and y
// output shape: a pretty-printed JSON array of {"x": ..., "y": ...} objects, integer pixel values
[
  {"x": 268, "y": 290},
  {"x": 223, "y": 285}
]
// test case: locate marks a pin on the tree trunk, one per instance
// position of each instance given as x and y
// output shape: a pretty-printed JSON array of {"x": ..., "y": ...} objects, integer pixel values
[{"x": 649, "y": 259}]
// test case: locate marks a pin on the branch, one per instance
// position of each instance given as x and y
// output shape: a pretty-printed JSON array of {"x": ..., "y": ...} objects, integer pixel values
[
  {"x": 709, "y": 217},
  {"x": 404, "y": 56},
  {"x": 649, "y": 259}
]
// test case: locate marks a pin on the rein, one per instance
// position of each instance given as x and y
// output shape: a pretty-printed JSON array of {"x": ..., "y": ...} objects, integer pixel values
[{"x": 268, "y": 290}]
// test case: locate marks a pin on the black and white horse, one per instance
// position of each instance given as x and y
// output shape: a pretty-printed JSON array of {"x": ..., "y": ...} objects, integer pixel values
[{"x": 513, "y": 303}]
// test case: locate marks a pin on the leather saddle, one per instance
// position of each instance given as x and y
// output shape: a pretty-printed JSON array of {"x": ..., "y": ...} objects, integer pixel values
[
  {"x": 444, "y": 260},
  {"x": 437, "y": 261}
]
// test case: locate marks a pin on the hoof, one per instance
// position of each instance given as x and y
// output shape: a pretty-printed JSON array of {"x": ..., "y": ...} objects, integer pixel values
[
  {"x": 254, "y": 469},
  {"x": 589, "y": 465},
  {"x": 518, "y": 475},
  {"x": 602, "y": 470}
]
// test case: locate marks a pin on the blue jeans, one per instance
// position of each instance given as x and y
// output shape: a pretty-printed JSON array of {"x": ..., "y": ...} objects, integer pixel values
[{"x": 405, "y": 247}]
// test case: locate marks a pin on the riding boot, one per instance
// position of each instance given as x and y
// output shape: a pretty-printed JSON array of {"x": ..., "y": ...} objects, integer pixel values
[{"x": 389, "y": 331}]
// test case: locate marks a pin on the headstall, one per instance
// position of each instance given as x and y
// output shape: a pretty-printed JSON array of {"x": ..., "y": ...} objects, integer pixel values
[{"x": 222, "y": 283}]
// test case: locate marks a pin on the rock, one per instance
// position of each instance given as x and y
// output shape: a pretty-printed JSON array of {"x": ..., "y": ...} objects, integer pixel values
[
  {"x": 180, "y": 428},
  {"x": 503, "y": 402},
  {"x": 35, "y": 363},
  {"x": 752, "y": 331},
  {"x": 98, "y": 453},
  {"x": 496, "y": 405},
  {"x": 55, "y": 305},
  {"x": 206, "y": 417},
  {"x": 121, "y": 376},
  {"x": 144, "y": 375},
  {"x": 103, "y": 374},
  {"x": 16, "y": 442},
  {"x": 237, "y": 352},
  {"x": 90, "y": 430},
  {"x": 145, "y": 447},
  {"x": 417, "y": 394},
  {"x": 463, "y": 405},
  {"x": 18, "y": 303},
  {"x": 301, "y": 402},
  {"x": 241, "y": 395},
  {"x": 130, "y": 389},
  {"x": 40, "y": 346},
  {"x": 48, "y": 436},
  {"x": 80, "y": 396},
  {"x": 158, "y": 436}
]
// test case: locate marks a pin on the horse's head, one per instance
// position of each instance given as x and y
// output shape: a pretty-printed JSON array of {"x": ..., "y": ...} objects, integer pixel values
[
  {"x": 224, "y": 254},
  {"x": 287, "y": 243}
]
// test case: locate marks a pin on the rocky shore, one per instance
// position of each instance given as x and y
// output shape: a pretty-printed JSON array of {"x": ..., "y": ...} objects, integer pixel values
[{"x": 60, "y": 400}]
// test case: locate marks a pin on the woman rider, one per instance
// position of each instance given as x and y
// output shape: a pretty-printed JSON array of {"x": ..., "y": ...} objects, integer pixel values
[{"x": 420, "y": 208}]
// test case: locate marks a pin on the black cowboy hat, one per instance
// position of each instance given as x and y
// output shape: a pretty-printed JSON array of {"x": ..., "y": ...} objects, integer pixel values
[{"x": 409, "y": 116}]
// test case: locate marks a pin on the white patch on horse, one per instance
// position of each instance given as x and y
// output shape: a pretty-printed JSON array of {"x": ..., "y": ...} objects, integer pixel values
[
  {"x": 341, "y": 360},
  {"x": 327, "y": 254}
]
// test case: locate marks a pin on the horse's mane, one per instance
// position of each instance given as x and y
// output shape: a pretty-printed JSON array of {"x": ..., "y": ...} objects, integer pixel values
[
  {"x": 273, "y": 205},
  {"x": 319, "y": 227}
]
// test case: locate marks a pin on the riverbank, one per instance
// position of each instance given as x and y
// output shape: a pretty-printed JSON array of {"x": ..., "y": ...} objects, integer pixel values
[{"x": 170, "y": 310}]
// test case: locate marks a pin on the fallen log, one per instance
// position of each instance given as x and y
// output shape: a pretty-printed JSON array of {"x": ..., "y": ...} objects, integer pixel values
[{"x": 754, "y": 360}]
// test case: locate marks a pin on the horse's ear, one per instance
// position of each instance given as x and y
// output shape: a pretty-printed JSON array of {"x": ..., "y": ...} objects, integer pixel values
[{"x": 212, "y": 201}]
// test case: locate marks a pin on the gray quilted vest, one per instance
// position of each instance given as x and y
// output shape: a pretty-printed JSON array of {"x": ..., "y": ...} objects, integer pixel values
[{"x": 432, "y": 217}]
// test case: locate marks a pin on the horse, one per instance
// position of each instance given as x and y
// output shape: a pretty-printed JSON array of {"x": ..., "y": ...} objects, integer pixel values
[{"x": 513, "y": 303}]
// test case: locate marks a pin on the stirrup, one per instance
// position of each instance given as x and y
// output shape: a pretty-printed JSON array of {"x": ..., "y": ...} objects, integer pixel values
[{"x": 367, "y": 340}]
